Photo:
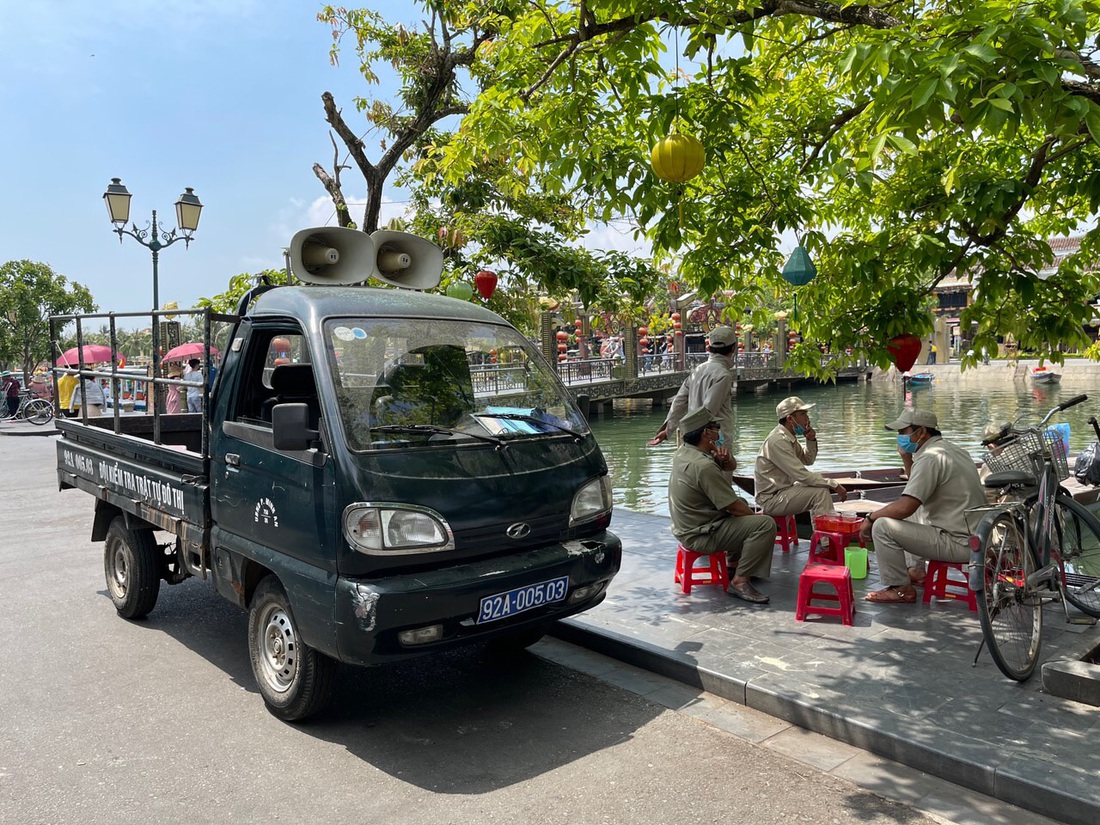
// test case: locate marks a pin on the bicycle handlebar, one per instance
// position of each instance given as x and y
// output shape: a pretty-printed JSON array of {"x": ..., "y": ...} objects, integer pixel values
[{"x": 1065, "y": 405}]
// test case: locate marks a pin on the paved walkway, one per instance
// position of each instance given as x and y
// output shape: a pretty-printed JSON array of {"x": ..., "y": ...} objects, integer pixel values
[{"x": 900, "y": 683}]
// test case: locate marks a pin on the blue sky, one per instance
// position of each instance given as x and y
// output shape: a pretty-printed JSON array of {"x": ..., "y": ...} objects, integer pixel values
[{"x": 220, "y": 95}]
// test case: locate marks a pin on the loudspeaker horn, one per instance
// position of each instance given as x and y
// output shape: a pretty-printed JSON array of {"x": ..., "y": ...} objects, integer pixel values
[
  {"x": 332, "y": 255},
  {"x": 406, "y": 260}
]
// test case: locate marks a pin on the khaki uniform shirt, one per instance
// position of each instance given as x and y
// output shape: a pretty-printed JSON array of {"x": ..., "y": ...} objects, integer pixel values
[
  {"x": 710, "y": 385},
  {"x": 945, "y": 481},
  {"x": 782, "y": 464},
  {"x": 698, "y": 493}
]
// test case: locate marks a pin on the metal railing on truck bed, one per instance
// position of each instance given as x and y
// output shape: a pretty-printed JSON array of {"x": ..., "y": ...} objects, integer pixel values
[{"x": 105, "y": 363}]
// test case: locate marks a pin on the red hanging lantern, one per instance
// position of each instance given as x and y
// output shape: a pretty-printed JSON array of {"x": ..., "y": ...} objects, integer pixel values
[
  {"x": 493, "y": 356},
  {"x": 562, "y": 357},
  {"x": 578, "y": 323},
  {"x": 643, "y": 331},
  {"x": 280, "y": 345},
  {"x": 562, "y": 335},
  {"x": 904, "y": 350},
  {"x": 677, "y": 325},
  {"x": 676, "y": 316},
  {"x": 486, "y": 283}
]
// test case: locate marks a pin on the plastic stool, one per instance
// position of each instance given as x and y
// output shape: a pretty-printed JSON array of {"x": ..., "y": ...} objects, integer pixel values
[
  {"x": 841, "y": 602},
  {"x": 688, "y": 574},
  {"x": 834, "y": 553},
  {"x": 786, "y": 532},
  {"x": 938, "y": 579}
]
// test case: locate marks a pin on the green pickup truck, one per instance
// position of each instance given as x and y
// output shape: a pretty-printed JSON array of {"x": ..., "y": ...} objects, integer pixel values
[{"x": 376, "y": 474}]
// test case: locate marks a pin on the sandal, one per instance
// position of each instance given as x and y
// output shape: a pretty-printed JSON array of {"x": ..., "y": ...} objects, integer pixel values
[
  {"x": 746, "y": 592},
  {"x": 892, "y": 595}
]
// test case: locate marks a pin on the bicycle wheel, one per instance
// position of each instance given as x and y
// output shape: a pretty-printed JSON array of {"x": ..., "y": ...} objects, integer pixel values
[
  {"x": 38, "y": 411},
  {"x": 1078, "y": 539},
  {"x": 1011, "y": 616}
]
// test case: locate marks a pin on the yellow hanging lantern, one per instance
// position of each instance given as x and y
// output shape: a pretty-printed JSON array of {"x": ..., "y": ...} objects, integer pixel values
[{"x": 677, "y": 158}]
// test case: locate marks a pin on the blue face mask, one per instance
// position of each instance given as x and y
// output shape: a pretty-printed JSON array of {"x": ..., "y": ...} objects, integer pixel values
[
  {"x": 721, "y": 438},
  {"x": 907, "y": 444},
  {"x": 799, "y": 429}
]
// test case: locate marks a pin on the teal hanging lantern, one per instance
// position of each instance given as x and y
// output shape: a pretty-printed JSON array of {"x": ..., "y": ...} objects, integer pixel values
[{"x": 799, "y": 271}]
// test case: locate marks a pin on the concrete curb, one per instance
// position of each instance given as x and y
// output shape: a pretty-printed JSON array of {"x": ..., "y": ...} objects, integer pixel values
[
  {"x": 1014, "y": 780},
  {"x": 24, "y": 429}
]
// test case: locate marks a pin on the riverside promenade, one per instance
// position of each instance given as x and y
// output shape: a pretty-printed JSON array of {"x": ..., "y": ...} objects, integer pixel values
[{"x": 900, "y": 683}]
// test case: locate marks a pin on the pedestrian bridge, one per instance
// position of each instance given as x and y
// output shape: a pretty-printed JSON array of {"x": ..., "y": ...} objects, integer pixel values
[{"x": 596, "y": 382}]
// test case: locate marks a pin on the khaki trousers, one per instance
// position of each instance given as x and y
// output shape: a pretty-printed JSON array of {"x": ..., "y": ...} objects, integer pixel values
[
  {"x": 901, "y": 542},
  {"x": 748, "y": 542},
  {"x": 798, "y": 499}
]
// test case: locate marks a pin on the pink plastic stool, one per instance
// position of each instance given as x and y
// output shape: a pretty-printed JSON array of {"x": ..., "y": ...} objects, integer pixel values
[
  {"x": 688, "y": 574},
  {"x": 938, "y": 579},
  {"x": 834, "y": 553},
  {"x": 840, "y": 603},
  {"x": 786, "y": 532}
]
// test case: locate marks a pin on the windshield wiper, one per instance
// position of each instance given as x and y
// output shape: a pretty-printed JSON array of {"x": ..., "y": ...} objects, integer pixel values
[
  {"x": 432, "y": 429},
  {"x": 530, "y": 418}
]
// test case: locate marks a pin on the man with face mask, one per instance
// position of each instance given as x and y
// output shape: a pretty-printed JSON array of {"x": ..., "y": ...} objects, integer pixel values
[
  {"x": 928, "y": 521},
  {"x": 783, "y": 484}
]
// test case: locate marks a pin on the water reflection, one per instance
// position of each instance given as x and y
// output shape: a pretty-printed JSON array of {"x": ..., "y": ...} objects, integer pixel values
[{"x": 849, "y": 420}]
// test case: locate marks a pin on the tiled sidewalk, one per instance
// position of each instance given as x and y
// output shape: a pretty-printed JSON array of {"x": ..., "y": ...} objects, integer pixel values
[{"x": 900, "y": 683}]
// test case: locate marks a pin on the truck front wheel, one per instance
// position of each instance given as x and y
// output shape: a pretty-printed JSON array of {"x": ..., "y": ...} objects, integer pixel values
[
  {"x": 131, "y": 565},
  {"x": 294, "y": 679}
]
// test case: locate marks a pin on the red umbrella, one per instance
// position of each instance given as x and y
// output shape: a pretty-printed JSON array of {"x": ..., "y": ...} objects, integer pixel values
[
  {"x": 185, "y": 352},
  {"x": 93, "y": 354}
]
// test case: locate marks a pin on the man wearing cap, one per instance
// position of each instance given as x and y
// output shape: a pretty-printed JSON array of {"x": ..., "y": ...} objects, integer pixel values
[
  {"x": 928, "y": 521},
  {"x": 783, "y": 484},
  {"x": 708, "y": 517},
  {"x": 709, "y": 385}
]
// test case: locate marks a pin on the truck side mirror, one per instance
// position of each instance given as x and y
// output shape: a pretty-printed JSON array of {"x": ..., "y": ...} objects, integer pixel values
[{"x": 290, "y": 427}]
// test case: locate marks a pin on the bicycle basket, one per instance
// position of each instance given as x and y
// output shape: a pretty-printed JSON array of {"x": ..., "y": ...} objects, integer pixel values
[{"x": 1026, "y": 452}]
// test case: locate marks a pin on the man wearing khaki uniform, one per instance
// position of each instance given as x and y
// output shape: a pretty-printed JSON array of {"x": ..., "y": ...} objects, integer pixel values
[
  {"x": 784, "y": 487},
  {"x": 708, "y": 517},
  {"x": 709, "y": 385},
  {"x": 928, "y": 521}
]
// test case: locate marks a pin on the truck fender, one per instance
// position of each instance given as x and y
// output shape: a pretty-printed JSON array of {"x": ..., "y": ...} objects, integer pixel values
[{"x": 105, "y": 513}]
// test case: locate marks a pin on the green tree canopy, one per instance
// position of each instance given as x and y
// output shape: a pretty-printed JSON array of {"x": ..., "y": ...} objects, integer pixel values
[
  {"x": 902, "y": 143},
  {"x": 30, "y": 293}
]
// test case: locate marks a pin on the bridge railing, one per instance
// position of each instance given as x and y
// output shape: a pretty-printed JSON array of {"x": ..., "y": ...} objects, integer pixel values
[{"x": 586, "y": 371}]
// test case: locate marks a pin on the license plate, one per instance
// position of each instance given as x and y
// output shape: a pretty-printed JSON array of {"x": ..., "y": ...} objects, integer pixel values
[{"x": 528, "y": 597}]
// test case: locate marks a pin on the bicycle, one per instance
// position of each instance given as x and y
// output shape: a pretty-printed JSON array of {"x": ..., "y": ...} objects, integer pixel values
[
  {"x": 1038, "y": 546},
  {"x": 31, "y": 408}
]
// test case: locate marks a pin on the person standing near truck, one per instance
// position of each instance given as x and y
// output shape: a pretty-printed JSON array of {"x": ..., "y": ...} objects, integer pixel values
[
  {"x": 194, "y": 389},
  {"x": 709, "y": 385},
  {"x": 66, "y": 388}
]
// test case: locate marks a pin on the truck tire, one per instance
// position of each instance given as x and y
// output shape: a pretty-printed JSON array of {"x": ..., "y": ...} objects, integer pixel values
[
  {"x": 131, "y": 565},
  {"x": 294, "y": 679}
]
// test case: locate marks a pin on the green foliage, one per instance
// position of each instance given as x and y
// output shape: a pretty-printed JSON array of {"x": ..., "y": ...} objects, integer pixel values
[
  {"x": 228, "y": 301},
  {"x": 910, "y": 142},
  {"x": 30, "y": 292}
]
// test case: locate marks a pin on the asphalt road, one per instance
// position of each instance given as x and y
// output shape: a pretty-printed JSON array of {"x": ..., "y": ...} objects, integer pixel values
[{"x": 108, "y": 721}]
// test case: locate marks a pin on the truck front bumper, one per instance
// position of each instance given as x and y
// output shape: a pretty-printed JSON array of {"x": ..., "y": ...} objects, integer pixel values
[{"x": 371, "y": 615}]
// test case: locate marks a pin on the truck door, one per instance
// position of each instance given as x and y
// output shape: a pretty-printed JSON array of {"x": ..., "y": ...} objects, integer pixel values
[{"x": 267, "y": 503}]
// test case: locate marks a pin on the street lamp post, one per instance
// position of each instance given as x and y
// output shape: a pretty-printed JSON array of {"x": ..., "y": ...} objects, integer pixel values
[{"x": 153, "y": 238}]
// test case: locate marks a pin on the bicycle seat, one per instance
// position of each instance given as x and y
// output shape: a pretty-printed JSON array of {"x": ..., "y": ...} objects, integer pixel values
[{"x": 1010, "y": 478}]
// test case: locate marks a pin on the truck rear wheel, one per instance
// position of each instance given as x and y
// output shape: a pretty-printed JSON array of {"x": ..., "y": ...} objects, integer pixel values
[
  {"x": 294, "y": 679},
  {"x": 131, "y": 565}
]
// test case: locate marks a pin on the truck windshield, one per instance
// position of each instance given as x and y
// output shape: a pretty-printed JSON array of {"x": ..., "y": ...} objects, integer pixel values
[{"x": 432, "y": 382}]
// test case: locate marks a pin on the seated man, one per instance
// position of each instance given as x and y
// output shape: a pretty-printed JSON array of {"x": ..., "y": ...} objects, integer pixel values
[
  {"x": 784, "y": 487},
  {"x": 928, "y": 521},
  {"x": 708, "y": 517}
]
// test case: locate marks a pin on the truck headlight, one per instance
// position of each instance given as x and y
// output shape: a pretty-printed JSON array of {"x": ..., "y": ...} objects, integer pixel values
[
  {"x": 394, "y": 529},
  {"x": 591, "y": 501}
]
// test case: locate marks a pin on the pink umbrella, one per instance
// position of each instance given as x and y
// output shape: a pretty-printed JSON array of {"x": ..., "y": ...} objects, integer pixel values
[
  {"x": 185, "y": 352},
  {"x": 93, "y": 354}
]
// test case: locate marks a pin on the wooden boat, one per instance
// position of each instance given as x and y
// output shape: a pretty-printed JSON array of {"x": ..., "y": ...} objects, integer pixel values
[
  {"x": 920, "y": 379},
  {"x": 851, "y": 479},
  {"x": 1041, "y": 375}
]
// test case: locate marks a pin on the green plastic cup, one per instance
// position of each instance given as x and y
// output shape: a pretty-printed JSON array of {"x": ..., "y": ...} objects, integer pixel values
[{"x": 855, "y": 559}]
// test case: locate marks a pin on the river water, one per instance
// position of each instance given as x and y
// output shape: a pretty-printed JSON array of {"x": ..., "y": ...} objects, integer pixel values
[{"x": 849, "y": 420}]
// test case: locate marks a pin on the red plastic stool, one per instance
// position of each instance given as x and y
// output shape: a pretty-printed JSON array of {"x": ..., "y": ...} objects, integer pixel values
[
  {"x": 688, "y": 574},
  {"x": 834, "y": 553},
  {"x": 938, "y": 579},
  {"x": 786, "y": 532},
  {"x": 840, "y": 603}
]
